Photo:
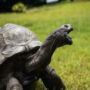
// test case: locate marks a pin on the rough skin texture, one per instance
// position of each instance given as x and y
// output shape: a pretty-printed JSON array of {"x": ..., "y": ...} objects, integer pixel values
[{"x": 23, "y": 68}]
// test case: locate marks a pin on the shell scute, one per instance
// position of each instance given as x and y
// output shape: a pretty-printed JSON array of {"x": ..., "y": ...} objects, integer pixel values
[{"x": 15, "y": 39}]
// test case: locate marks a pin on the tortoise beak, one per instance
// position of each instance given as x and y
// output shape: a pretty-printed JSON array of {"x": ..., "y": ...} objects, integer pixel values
[
  {"x": 69, "y": 30},
  {"x": 69, "y": 39}
]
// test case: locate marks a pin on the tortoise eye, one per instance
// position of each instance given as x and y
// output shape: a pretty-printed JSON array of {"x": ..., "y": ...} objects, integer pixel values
[{"x": 66, "y": 26}]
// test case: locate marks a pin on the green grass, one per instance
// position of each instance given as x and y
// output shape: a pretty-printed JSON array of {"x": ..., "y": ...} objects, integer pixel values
[{"x": 72, "y": 63}]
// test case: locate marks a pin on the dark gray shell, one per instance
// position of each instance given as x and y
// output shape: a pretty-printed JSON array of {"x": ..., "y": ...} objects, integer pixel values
[{"x": 15, "y": 39}]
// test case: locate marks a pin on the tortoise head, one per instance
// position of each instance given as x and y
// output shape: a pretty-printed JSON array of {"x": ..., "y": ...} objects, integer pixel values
[{"x": 62, "y": 35}]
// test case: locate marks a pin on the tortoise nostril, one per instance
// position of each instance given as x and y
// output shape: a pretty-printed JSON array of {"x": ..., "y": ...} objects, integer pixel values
[{"x": 71, "y": 29}]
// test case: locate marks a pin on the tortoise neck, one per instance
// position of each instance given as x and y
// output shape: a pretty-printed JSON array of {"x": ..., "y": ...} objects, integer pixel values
[
  {"x": 48, "y": 47},
  {"x": 43, "y": 56}
]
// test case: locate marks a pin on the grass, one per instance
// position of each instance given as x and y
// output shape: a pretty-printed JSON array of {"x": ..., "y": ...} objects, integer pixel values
[{"x": 72, "y": 63}]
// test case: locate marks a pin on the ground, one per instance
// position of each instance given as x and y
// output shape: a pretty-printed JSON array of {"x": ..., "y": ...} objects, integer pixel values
[{"x": 72, "y": 63}]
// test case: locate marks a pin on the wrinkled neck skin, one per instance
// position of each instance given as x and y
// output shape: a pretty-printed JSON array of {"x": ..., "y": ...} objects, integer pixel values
[{"x": 43, "y": 56}]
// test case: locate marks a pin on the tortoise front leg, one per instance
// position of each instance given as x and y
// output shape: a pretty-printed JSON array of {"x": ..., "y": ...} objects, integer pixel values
[
  {"x": 51, "y": 80},
  {"x": 13, "y": 84}
]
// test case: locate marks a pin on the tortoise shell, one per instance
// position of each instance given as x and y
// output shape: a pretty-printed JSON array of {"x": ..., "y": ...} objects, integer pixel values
[{"x": 15, "y": 39}]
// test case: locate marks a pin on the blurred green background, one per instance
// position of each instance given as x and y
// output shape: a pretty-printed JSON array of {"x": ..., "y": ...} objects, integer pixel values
[{"x": 72, "y": 63}]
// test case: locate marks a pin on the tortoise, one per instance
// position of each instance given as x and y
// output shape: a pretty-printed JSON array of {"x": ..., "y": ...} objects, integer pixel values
[{"x": 24, "y": 59}]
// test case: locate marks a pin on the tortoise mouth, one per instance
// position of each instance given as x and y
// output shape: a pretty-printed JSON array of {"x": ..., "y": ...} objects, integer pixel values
[
  {"x": 69, "y": 39},
  {"x": 69, "y": 30}
]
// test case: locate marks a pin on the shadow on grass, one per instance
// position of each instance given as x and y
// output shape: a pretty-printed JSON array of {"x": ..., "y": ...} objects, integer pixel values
[{"x": 34, "y": 86}]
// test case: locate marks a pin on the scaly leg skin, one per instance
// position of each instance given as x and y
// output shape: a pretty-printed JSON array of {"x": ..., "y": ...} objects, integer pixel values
[
  {"x": 51, "y": 80},
  {"x": 13, "y": 84}
]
